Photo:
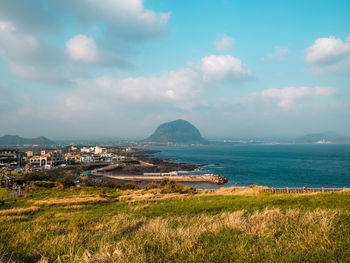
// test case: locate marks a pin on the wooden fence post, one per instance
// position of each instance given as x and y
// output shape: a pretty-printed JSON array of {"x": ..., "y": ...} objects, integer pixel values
[{"x": 322, "y": 189}]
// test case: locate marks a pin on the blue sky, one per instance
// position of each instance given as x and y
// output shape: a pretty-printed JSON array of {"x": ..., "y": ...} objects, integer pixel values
[{"x": 119, "y": 68}]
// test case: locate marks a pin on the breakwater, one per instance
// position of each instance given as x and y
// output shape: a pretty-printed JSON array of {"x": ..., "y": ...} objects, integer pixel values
[{"x": 205, "y": 178}]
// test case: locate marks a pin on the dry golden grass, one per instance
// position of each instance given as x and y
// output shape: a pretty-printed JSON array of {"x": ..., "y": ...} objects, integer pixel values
[
  {"x": 314, "y": 228},
  {"x": 70, "y": 200},
  {"x": 149, "y": 195},
  {"x": 156, "y": 194},
  {"x": 140, "y": 207},
  {"x": 12, "y": 218},
  {"x": 235, "y": 190},
  {"x": 19, "y": 211},
  {"x": 140, "y": 231},
  {"x": 73, "y": 207}
]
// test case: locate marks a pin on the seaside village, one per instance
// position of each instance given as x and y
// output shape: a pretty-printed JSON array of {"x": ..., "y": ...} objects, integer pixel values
[{"x": 36, "y": 160}]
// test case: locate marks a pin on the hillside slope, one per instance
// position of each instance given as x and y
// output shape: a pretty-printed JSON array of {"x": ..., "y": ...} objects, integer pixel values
[{"x": 89, "y": 224}]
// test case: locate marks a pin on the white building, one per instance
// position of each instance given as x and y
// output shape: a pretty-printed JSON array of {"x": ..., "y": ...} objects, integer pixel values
[
  {"x": 106, "y": 155},
  {"x": 174, "y": 173},
  {"x": 99, "y": 150},
  {"x": 85, "y": 149},
  {"x": 87, "y": 159},
  {"x": 53, "y": 158}
]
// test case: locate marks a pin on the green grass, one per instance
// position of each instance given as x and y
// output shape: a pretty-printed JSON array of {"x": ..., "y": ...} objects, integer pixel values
[
  {"x": 219, "y": 204},
  {"x": 257, "y": 228},
  {"x": 4, "y": 192}
]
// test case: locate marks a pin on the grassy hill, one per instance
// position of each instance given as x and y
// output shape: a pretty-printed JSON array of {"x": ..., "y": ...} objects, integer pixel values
[
  {"x": 229, "y": 225},
  {"x": 178, "y": 131}
]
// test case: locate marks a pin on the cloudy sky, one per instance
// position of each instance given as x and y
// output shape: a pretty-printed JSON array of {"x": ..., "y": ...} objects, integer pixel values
[{"x": 119, "y": 68}]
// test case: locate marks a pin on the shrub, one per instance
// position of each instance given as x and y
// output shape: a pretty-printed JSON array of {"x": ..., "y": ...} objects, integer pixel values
[
  {"x": 67, "y": 182},
  {"x": 129, "y": 186},
  {"x": 44, "y": 184},
  {"x": 192, "y": 190},
  {"x": 35, "y": 176},
  {"x": 171, "y": 187},
  {"x": 164, "y": 182},
  {"x": 110, "y": 184},
  {"x": 152, "y": 186},
  {"x": 87, "y": 183}
]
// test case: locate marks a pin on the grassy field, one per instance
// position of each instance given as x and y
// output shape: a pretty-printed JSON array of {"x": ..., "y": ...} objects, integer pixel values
[
  {"x": 4, "y": 192},
  {"x": 232, "y": 225}
]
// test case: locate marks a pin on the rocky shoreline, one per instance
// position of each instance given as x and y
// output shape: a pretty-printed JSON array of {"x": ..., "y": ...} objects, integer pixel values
[{"x": 135, "y": 170}]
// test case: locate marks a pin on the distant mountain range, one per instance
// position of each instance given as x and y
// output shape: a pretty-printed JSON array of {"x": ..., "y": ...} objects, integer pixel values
[
  {"x": 179, "y": 131},
  {"x": 14, "y": 140},
  {"x": 315, "y": 138},
  {"x": 331, "y": 137}
]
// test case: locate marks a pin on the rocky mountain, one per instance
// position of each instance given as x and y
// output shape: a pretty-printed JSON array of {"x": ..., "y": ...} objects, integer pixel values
[
  {"x": 179, "y": 131},
  {"x": 14, "y": 140}
]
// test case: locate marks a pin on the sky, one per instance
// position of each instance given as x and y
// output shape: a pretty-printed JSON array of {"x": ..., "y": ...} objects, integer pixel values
[{"x": 119, "y": 68}]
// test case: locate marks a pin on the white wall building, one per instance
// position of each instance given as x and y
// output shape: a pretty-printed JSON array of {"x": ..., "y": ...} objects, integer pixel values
[
  {"x": 99, "y": 150},
  {"x": 87, "y": 159},
  {"x": 85, "y": 149}
]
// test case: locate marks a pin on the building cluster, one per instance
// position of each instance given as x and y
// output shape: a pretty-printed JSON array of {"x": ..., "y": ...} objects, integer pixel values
[
  {"x": 11, "y": 158},
  {"x": 73, "y": 155},
  {"x": 173, "y": 173}
]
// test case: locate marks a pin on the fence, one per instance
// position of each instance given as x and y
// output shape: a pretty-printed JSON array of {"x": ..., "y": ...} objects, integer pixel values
[
  {"x": 302, "y": 189},
  {"x": 13, "y": 194}
]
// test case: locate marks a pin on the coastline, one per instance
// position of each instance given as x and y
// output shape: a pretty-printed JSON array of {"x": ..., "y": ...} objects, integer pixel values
[
  {"x": 247, "y": 166},
  {"x": 211, "y": 178},
  {"x": 312, "y": 166},
  {"x": 139, "y": 170}
]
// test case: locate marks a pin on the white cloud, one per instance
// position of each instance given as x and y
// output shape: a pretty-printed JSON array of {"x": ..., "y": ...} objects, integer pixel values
[
  {"x": 279, "y": 52},
  {"x": 180, "y": 89},
  {"x": 125, "y": 19},
  {"x": 6, "y": 26},
  {"x": 14, "y": 43},
  {"x": 287, "y": 96},
  {"x": 329, "y": 55},
  {"x": 27, "y": 30},
  {"x": 171, "y": 88},
  {"x": 82, "y": 48},
  {"x": 28, "y": 57},
  {"x": 225, "y": 42},
  {"x": 224, "y": 68},
  {"x": 327, "y": 51}
]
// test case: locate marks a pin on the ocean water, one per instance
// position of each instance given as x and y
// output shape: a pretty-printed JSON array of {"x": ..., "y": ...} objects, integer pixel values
[{"x": 325, "y": 165}]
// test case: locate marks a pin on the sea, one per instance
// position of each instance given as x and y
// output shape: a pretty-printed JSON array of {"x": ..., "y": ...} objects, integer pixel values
[{"x": 304, "y": 165}]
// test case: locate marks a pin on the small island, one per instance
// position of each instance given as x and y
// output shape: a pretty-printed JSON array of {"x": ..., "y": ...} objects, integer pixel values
[{"x": 178, "y": 131}]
